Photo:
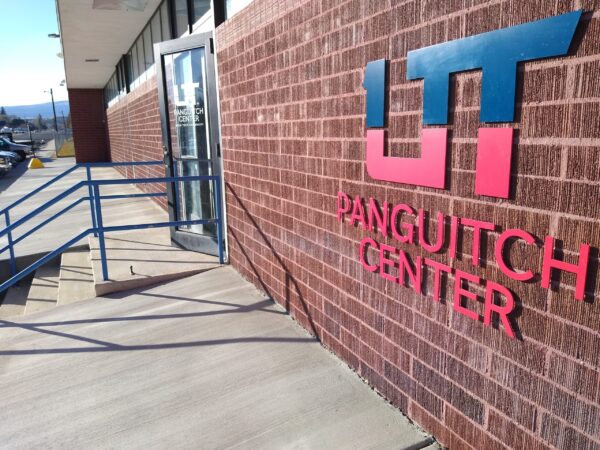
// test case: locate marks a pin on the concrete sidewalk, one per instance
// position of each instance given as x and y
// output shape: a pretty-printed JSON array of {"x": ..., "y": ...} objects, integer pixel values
[{"x": 203, "y": 362}]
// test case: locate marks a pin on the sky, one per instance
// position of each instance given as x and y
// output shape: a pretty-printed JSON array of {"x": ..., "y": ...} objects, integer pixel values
[{"x": 29, "y": 62}]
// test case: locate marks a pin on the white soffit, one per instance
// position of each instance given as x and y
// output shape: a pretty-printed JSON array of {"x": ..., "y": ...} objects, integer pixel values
[
  {"x": 102, "y": 34},
  {"x": 127, "y": 5}
]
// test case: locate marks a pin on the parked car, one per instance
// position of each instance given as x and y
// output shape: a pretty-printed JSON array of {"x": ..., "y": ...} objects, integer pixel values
[
  {"x": 7, "y": 134},
  {"x": 21, "y": 150},
  {"x": 11, "y": 157},
  {"x": 5, "y": 165}
]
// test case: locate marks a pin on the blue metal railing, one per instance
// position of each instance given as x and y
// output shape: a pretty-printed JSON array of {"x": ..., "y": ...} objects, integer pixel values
[{"x": 95, "y": 201}]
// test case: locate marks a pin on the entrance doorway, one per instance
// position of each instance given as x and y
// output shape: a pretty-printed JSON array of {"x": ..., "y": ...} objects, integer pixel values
[{"x": 190, "y": 133}]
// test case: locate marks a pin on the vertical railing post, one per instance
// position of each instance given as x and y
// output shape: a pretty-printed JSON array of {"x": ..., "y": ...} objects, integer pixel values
[
  {"x": 220, "y": 243},
  {"x": 88, "y": 171},
  {"x": 177, "y": 212},
  {"x": 13, "y": 262},
  {"x": 100, "y": 228}
]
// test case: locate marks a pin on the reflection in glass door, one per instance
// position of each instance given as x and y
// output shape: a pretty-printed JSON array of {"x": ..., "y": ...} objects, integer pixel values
[
  {"x": 190, "y": 136},
  {"x": 190, "y": 140}
]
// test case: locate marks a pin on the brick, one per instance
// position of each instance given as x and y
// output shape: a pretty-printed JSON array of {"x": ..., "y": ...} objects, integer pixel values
[
  {"x": 586, "y": 85},
  {"x": 88, "y": 122},
  {"x": 400, "y": 379},
  {"x": 581, "y": 415},
  {"x": 538, "y": 160},
  {"x": 543, "y": 84},
  {"x": 431, "y": 424},
  {"x": 450, "y": 392},
  {"x": 574, "y": 199},
  {"x": 469, "y": 432},
  {"x": 588, "y": 34},
  {"x": 528, "y": 353},
  {"x": 583, "y": 162},
  {"x": 560, "y": 435},
  {"x": 292, "y": 124},
  {"x": 583, "y": 313},
  {"x": 508, "y": 432},
  {"x": 482, "y": 20},
  {"x": 515, "y": 12},
  {"x": 502, "y": 399}
]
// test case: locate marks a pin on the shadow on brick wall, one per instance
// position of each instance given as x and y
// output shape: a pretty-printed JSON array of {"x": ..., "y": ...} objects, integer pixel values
[{"x": 291, "y": 285}]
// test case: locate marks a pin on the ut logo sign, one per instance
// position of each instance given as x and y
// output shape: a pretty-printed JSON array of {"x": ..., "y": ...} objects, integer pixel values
[{"x": 497, "y": 54}]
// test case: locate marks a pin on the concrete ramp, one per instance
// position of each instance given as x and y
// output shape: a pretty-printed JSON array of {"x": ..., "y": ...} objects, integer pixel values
[
  {"x": 135, "y": 259},
  {"x": 144, "y": 257},
  {"x": 201, "y": 362}
]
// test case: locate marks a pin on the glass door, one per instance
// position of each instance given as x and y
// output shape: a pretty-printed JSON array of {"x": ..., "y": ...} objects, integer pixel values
[{"x": 187, "y": 92}]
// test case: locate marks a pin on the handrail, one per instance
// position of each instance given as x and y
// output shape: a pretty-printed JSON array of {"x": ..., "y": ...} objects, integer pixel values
[
  {"x": 83, "y": 183},
  {"x": 120, "y": 196},
  {"x": 43, "y": 207},
  {"x": 44, "y": 259},
  {"x": 39, "y": 189},
  {"x": 44, "y": 223},
  {"x": 123, "y": 163},
  {"x": 155, "y": 180},
  {"x": 73, "y": 205},
  {"x": 98, "y": 229},
  {"x": 71, "y": 170},
  {"x": 88, "y": 166}
]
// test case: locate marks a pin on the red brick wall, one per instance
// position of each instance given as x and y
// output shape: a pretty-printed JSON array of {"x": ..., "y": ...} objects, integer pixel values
[
  {"x": 89, "y": 125},
  {"x": 135, "y": 134},
  {"x": 292, "y": 109}
]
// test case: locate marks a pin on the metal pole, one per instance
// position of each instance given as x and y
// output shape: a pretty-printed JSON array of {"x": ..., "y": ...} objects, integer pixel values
[
  {"x": 88, "y": 171},
  {"x": 13, "y": 262},
  {"x": 177, "y": 212},
  {"x": 54, "y": 110},
  {"x": 30, "y": 138},
  {"x": 100, "y": 229},
  {"x": 220, "y": 221}
]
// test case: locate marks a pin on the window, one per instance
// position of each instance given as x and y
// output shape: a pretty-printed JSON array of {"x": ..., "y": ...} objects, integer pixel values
[
  {"x": 140, "y": 57},
  {"x": 232, "y": 7},
  {"x": 115, "y": 87},
  {"x": 165, "y": 22},
  {"x": 135, "y": 71},
  {"x": 172, "y": 18},
  {"x": 181, "y": 19},
  {"x": 226, "y": 9},
  {"x": 122, "y": 76},
  {"x": 199, "y": 8},
  {"x": 119, "y": 76},
  {"x": 142, "y": 51},
  {"x": 111, "y": 90},
  {"x": 149, "y": 55},
  {"x": 126, "y": 71},
  {"x": 155, "y": 26}
]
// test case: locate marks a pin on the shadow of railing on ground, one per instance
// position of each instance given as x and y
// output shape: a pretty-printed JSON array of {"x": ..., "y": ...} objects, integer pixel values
[{"x": 105, "y": 346}]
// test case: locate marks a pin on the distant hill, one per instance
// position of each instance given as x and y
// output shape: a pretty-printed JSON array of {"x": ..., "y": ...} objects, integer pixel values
[{"x": 45, "y": 109}]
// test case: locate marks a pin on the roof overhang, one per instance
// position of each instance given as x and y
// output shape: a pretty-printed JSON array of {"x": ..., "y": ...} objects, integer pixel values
[{"x": 102, "y": 34}]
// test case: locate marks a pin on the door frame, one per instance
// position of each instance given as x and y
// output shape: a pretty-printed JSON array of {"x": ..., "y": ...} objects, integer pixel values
[{"x": 185, "y": 239}]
